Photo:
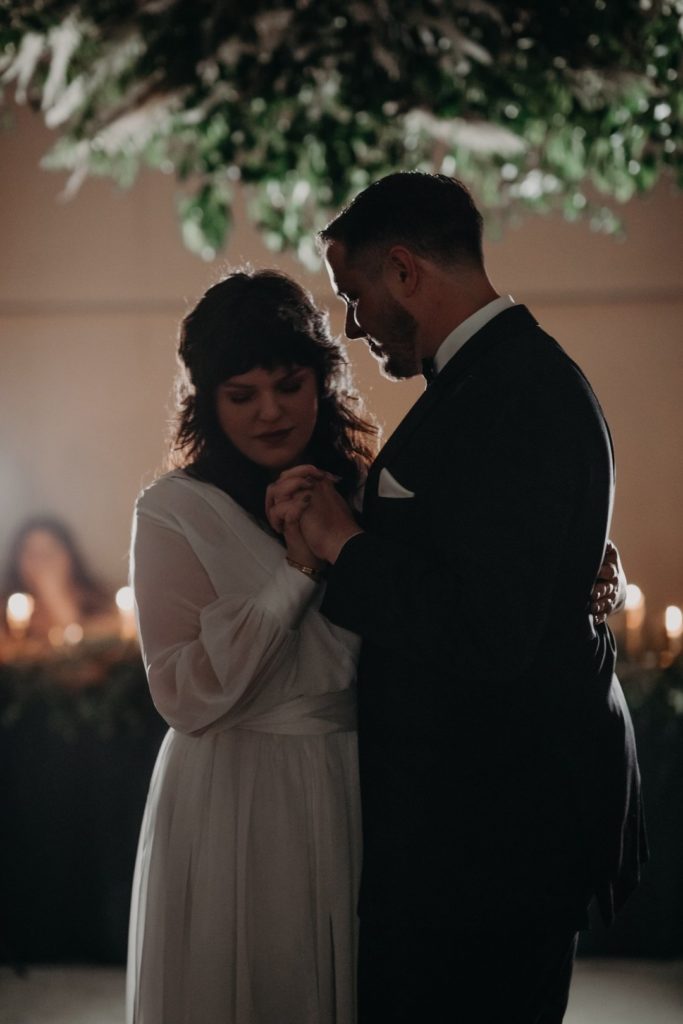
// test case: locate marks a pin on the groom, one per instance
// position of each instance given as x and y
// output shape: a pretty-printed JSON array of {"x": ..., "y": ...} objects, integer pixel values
[{"x": 498, "y": 769}]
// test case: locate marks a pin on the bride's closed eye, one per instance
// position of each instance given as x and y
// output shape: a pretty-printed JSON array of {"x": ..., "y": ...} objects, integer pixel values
[
  {"x": 237, "y": 396},
  {"x": 288, "y": 386}
]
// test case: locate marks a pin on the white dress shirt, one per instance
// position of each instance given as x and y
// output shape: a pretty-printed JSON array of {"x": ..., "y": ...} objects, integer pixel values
[{"x": 464, "y": 331}]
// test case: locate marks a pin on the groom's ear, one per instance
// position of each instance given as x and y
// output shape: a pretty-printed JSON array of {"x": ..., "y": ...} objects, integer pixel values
[{"x": 402, "y": 271}]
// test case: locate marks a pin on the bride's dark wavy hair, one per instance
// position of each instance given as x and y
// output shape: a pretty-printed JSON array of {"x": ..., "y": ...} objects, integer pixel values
[{"x": 262, "y": 318}]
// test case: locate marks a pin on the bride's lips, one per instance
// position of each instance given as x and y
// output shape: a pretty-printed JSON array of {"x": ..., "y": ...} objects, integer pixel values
[{"x": 275, "y": 436}]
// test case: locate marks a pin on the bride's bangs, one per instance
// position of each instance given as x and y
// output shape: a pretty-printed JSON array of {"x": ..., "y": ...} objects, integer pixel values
[{"x": 263, "y": 349}]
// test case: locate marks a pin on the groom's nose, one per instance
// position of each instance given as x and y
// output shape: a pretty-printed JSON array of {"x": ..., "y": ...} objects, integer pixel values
[{"x": 352, "y": 330}]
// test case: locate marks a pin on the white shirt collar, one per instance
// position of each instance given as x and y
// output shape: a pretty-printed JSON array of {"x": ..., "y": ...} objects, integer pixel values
[{"x": 464, "y": 331}]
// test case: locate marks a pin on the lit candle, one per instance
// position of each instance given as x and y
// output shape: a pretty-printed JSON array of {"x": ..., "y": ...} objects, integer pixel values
[
  {"x": 635, "y": 618},
  {"x": 673, "y": 624},
  {"x": 19, "y": 611},
  {"x": 125, "y": 602}
]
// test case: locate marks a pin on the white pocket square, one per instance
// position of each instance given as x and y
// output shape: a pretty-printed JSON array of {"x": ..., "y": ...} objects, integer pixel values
[{"x": 388, "y": 487}]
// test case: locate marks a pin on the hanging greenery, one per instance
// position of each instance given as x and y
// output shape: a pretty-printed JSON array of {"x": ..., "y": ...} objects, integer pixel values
[{"x": 537, "y": 105}]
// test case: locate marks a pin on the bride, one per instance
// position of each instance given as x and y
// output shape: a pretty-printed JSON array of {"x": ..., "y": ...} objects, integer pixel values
[{"x": 245, "y": 886}]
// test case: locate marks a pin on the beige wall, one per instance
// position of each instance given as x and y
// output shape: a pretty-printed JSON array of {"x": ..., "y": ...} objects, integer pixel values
[{"x": 91, "y": 292}]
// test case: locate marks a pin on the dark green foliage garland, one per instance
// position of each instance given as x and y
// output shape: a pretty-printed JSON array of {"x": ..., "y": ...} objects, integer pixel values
[
  {"x": 103, "y": 687},
  {"x": 97, "y": 687}
]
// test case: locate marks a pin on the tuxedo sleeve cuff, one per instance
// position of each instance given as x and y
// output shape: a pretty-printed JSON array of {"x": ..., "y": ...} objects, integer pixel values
[{"x": 354, "y": 582}]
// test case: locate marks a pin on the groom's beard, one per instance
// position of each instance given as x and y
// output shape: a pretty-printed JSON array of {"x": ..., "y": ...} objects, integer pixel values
[{"x": 396, "y": 351}]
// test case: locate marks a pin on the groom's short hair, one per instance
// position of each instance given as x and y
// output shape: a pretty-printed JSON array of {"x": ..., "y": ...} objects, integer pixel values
[{"x": 432, "y": 214}]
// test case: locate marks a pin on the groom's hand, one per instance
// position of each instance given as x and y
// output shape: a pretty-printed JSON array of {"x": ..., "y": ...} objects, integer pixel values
[{"x": 307, "y": 496}]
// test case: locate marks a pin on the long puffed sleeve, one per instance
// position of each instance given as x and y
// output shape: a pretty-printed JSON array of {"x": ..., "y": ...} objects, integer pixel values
[{"x": 208, "y": 656}]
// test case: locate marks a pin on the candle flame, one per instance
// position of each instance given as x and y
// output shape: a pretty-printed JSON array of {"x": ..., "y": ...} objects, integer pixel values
[
  {"x": 673, "y": 620},
  {"x": 20, "y": 607},
  {"x": 634, "y": 597},
  {"x": 125, "y": 600}
]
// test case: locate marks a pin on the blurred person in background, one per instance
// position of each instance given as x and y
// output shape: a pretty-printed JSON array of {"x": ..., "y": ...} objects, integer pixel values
[{"x": 46, "y": 563}]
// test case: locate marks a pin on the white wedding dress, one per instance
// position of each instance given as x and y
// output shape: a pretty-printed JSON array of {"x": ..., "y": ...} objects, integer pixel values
[{"x": 243, "y": 908}]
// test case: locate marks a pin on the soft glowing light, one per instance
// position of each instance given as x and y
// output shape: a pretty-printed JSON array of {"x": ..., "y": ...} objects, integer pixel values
[
  {"x": 125, "y": 601},
  {"x": 635, "y": 620},
  {"x": 673, "y": 622},
  {"x": 18, "y": 613},
  {"x": 73, "y": 633},
  {"x": 19, "y": 609}
]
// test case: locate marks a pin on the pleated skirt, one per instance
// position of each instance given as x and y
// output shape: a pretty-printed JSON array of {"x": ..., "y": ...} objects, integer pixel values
[{"x": 244, "y": 896}]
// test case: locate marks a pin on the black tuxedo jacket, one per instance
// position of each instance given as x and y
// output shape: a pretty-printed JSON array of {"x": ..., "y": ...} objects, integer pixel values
[{"x": 498, "y": 767}]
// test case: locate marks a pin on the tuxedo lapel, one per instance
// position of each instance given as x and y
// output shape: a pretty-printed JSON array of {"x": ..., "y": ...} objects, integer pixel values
[{"x": 448, "y": 383}]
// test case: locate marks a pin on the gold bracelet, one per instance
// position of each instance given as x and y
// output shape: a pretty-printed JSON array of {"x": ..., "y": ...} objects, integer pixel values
[{"x": 307, "y": 570}]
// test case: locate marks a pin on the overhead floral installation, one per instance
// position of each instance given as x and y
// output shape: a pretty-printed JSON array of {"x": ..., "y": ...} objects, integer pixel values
[{"x": 537, "y": 105}]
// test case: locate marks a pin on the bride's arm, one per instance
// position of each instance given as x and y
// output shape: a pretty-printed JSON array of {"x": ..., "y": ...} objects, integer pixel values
[{"x": 206, "y": 655}]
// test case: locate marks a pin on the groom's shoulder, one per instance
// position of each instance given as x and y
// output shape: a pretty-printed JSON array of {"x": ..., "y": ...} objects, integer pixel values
[
  {"x": 538, "y": 358},
  {"x": 528, "y": 341},
  {"x": 533, "y": 370}
]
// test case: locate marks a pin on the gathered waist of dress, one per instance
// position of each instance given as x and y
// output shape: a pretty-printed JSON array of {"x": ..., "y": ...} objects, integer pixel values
[{"x": 307, "y": 716}]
